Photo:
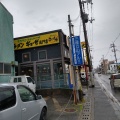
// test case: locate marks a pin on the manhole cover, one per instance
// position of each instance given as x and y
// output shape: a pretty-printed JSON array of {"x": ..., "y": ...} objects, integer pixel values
[{"x": 70, "y": 110}]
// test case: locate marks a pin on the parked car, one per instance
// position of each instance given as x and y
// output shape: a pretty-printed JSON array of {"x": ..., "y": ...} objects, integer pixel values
[
  {"x": 115, "y": 81},
  {"x": 99, "y": 72},
  {"x": 18, "y": 102},
  {"x": 25, "y": 80}
]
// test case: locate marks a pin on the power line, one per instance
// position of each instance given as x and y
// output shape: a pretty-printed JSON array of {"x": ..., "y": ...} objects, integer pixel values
[
  {"x": 118, "y": 50},
  {"x": 117, "y": 37},
  {"x": 107, "y": 53},
  {"x": 101, "y": 48},
  {"x": 74, "y": 20}
]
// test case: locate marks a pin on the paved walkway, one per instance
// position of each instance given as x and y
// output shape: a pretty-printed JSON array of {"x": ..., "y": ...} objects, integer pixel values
[
  {"x": 63, "y": 108},
  {"x": 102, "y": 108},
  {"x": 97, "y": 106}
]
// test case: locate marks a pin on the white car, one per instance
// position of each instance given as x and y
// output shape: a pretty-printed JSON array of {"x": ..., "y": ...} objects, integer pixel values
[
  {"x": 115, "y": 81},
  {"x": 18, "y": 102},
  {"x": 24, "y": 80}
]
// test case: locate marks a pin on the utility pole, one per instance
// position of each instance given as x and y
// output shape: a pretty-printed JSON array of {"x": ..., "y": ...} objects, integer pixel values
[
  {"x": 86, "y": 43},
  {"x": 103, "y": 65},
  {"x": 72, "y": 67},
  {"x": 114, "y": 50}
]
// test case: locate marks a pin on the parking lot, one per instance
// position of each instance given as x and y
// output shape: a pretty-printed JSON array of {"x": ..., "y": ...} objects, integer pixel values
[{"x": 62, "y": 108}]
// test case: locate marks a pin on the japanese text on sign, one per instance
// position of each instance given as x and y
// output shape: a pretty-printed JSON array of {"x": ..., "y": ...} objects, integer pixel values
[
  {"x": 37, "y": 40},
  {"x": 76, "y": 51}
]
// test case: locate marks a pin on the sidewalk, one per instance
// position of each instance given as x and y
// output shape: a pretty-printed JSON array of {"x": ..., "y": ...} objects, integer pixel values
[
  {"x": 97, "y": 106},
  {"x": 100, "y": 106}
]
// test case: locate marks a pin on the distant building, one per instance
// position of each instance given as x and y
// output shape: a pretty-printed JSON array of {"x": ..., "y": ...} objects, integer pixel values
[
  {"x": 45, "y": 57},
  {"x": 112, "y": 68},
  {"x": 6, "y": 45},
  {"x": 104, "y": 66}
]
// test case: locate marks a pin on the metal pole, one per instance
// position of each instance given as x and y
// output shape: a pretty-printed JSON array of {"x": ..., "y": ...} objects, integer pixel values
[
  {"x": 114, "y": 53},
  {"x": 104, "y": 65},
  {"x": 72, "y": 67}
]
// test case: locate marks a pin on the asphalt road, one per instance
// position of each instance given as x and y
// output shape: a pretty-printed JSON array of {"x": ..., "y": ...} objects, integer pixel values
[{"x": 104, "y": 79}]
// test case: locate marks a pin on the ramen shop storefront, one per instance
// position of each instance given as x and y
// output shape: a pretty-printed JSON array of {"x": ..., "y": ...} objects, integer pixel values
[{"x": 41, "y": 57}]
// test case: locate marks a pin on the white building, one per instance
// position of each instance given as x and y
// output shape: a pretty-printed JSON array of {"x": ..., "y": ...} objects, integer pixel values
[{"x": 112, "y": 68}]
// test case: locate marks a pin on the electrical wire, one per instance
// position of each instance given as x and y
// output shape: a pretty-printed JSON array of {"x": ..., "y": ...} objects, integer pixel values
[
  {"x": 101, "y": 48},
  {"x": 118, "y": 50},
  {"x": 107, "y": 53},
  {"x": 74, "y": 20},
  {"x": 117, "y": 38}
]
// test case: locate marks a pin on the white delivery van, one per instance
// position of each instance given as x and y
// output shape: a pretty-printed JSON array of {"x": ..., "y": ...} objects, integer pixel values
[
  {"x": 115, "y": 80},
  {"x": 25, "y": 80}
]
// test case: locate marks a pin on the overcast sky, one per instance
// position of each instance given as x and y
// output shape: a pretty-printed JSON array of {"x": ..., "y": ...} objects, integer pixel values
[{"x": 37, "y": 16}]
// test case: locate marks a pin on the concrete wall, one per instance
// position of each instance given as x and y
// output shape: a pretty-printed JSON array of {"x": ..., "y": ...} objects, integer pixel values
[{"x": 6, "y": 40}]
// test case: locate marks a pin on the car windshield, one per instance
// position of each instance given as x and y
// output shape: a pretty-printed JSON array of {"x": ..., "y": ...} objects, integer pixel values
[{"x": 30, "y": 80}]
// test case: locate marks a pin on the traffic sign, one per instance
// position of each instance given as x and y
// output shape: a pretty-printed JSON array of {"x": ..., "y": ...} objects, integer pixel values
[{"x": 76, "y": 51}]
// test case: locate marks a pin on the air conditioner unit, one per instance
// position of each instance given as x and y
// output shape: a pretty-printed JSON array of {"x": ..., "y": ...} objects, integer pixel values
[{"x": 14, "y": 63}]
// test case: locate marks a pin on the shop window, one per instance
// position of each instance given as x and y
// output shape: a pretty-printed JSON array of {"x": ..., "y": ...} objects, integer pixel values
[
  {"x": 26, "y": 57},
  {"x": 58, "y": 71},
  {"x": 5, "y": 68},
  {"x": 44, "y": 72},
  {"x": 1, "y": 68},
  {"x": 27, "y": 70},
  {"x": 42, "y": 55}
]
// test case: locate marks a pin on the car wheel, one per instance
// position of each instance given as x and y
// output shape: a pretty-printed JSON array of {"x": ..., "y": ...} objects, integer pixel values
[{"x": 43, "y": 114}]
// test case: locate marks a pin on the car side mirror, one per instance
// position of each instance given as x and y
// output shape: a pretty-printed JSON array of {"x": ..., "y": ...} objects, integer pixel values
[
  {"x": 33, "y": 82},
  {"x": 39, "y": 97}
]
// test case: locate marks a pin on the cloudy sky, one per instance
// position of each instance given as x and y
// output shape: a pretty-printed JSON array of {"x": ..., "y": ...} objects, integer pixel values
[{"x": 36, "y": 16}]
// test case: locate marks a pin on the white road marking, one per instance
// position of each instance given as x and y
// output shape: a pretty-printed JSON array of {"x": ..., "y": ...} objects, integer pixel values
[
  {"x": 57, "y": 105},
  {"x": 110, "y": 96}
]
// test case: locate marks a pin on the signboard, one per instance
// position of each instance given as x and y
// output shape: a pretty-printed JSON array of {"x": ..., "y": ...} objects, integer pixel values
[
  {"x": 83, "y": 45},
  {"x": 36, "y": 41},
  {"x": 76, "y": 51}
]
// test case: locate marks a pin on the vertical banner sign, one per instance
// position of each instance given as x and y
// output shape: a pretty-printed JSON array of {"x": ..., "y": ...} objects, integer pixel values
[{"x": 76, "y": 51}]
